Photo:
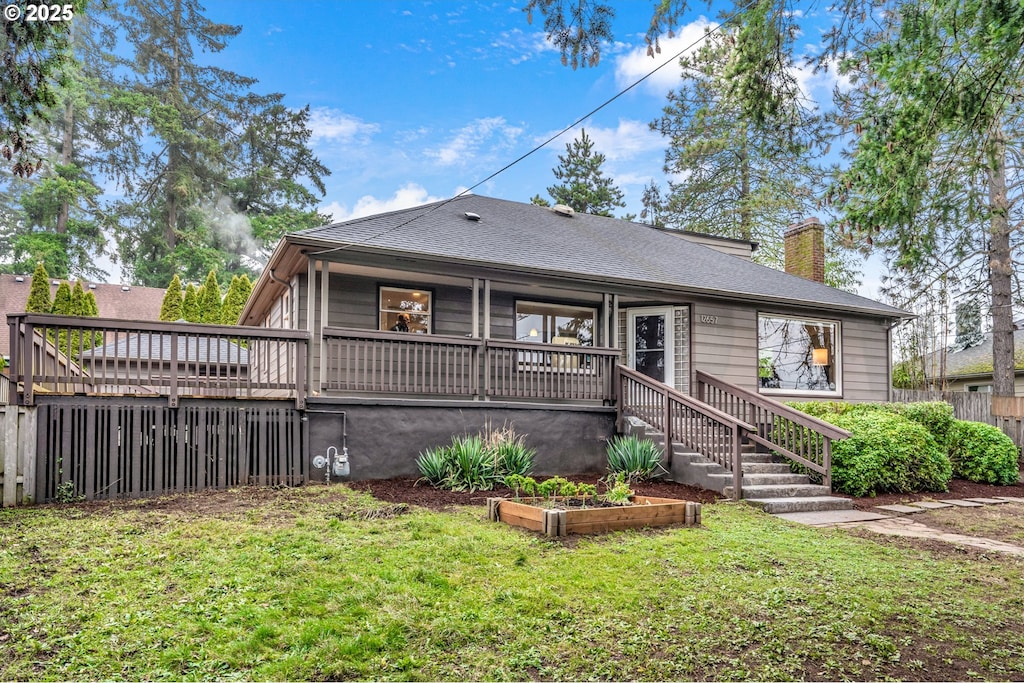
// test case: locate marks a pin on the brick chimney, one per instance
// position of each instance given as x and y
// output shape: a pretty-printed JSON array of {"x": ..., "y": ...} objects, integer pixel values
[{"x": 805, "y": 249}]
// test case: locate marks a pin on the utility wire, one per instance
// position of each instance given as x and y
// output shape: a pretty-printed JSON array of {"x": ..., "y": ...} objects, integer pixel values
[{"x": 674, "y": 59}]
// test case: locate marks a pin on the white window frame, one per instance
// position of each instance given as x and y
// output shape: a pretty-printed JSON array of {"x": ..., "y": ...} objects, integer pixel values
[
  {"x": 837, "y": 364},
  {"x": 670, "y": 338},
  {"x": 558, "y": 307},
  {"x": 382, "y": 311}
]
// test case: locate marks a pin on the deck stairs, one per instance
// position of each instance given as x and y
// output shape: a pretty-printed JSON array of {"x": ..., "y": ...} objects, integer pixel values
[{"x": 767, "y": 481}]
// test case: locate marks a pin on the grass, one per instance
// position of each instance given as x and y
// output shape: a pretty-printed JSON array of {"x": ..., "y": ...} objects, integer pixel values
[{"x": 303, "y": 584}]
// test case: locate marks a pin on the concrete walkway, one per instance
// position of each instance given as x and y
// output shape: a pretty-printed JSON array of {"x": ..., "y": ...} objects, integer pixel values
[{"x": 894, "y": 520}]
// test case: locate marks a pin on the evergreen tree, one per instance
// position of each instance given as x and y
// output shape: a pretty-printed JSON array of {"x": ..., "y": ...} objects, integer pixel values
[
  {"x": 190, "y": 304},
  {"x": 737, "y": 178},
  {"x": 62, "y": 300},
  {"x": 234, "y": 300},
  {"x": 210, "y": 300},
  {"x": 78, "y": 305},
  {"x": 170, "y": 309},
  {"x": 36, "y": 54},
  {"x": 269, "y": 160},
  {"x": 185, "y": 109},
  {"x": 584, "y": 186},
  {"x": 92, "y": 308},
  {"x": 937, "y": 113},
  {"x": 39, "y": 292}
]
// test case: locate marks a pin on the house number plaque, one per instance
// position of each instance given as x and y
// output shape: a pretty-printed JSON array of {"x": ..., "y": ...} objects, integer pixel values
[{"x": 709, "y": 319}]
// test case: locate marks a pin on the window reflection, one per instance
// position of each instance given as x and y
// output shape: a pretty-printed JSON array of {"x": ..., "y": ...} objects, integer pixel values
[
  {"x": 555, "y": 324},
  {"x": 796, "y": 354},
  {"x": 405, "y": 310}
]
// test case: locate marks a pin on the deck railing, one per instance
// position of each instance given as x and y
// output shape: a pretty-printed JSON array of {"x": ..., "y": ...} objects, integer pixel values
[
  {"x": 95, "y": 356},
  {"x": 787, "y": 431},
  {"x": 549, "y": 371},
  {"x": 399, "y": 363},
  {"x": 712, "y": 433},
  {"x": 367, "y": 361}
]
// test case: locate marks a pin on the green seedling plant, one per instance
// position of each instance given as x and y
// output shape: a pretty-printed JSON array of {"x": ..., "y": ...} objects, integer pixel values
[
  {"x": 618, "y": 492},
  {"x": 587, "y": 490},
  {"x": 550, "y": 487}
]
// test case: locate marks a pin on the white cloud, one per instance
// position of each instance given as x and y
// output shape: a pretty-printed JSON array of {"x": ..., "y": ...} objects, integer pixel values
[
  {"x": 817, "y": 86},
  {"x": 489, "y": 133},
  {"x": 407, "y": 196},
  {"x": 636, "y": 64},
  {"x": 626, "y": 141},
  {"x": 334, "y": 125}
]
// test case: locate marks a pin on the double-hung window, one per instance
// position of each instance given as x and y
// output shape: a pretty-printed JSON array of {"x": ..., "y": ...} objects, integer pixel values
[{"x": 798, "y": 355}]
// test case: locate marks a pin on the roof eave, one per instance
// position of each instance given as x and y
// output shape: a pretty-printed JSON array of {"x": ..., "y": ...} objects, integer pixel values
[{"x": 333, "y": 246}]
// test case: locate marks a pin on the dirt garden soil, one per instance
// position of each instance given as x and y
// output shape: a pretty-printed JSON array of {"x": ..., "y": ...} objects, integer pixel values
[{"x": 407, "y": 490}]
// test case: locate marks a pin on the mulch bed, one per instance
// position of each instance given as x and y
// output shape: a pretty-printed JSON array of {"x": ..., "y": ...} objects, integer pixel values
[{"x": 407, "y": 490}]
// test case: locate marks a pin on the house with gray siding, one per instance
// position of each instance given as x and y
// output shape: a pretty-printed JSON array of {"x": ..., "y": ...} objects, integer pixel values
[{"x": 448, "y": 317}]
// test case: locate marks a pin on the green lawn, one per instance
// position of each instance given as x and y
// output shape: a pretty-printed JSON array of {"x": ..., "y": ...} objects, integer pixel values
[{"x": 299, "y": 584}]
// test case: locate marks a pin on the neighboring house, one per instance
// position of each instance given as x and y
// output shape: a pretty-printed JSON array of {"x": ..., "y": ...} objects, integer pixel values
[
  {"x": 971, "y": 369},
  {"x": 520, "y": 313},
  {"x": 121, "y": 302}
]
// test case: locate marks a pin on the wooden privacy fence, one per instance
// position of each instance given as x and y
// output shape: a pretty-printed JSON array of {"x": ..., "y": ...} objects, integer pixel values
[
  {"x": 682, "y": 419},
  {"x": 1006, "y": 413},
  {"x": 103, "y": 449},
  {"x": 784, "y": 430},
  {"x": 53, "y": 354}
]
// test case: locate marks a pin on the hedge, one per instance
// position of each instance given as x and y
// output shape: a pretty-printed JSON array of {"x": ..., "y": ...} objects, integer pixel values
[
  {"x": 886, "y": 453},
  {"x": 981, "y": 453}
]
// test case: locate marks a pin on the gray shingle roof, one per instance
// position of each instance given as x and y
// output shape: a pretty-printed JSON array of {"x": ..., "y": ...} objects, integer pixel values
[
  {"x": 146, "y": 346},
  {"x": 533, "y": 238},
  {"x": 976, "y": 360}
]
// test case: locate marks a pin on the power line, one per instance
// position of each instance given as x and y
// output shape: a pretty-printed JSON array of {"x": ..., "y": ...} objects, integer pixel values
[{"x": 674, "y": 59}]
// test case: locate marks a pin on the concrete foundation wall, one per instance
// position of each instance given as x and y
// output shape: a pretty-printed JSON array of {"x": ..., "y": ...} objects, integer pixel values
[{"x": 385, "y": 440}]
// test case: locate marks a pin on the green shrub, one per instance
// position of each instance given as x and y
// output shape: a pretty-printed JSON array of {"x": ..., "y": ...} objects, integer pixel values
[
  {"x": 510, "y": 453},
  {"x": 433, "y": 465},
  {"x": 980, "y": 452},
  {"x": 637, "y": 459},
  {"x": 472, "y": 463},
  {"x": 935, "y": 416},
  {"x": 886, "y": 452},
  {"x": 473, "y": 467}
]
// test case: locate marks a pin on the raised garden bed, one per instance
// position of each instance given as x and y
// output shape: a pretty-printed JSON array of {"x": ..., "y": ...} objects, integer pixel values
[{"x": 559, "y": 517}]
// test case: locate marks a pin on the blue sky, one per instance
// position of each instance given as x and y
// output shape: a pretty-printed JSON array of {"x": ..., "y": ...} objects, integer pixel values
[
  {"x": 418, "y": 101},
  {"x": 414, "y": 101}
]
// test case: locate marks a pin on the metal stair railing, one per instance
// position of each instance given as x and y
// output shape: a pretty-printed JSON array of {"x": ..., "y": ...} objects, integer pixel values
[{"x": 682, "y": 419}]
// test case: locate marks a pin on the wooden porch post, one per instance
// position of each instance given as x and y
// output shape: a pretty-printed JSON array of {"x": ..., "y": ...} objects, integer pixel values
[
  {"x": 483, "y": 350},
  {"x": 325, "y": 278},
  {"x": 487, "y": 309},
  {"x": 474, "y": 306},
  {"x": 310, "y": 321},
  {"x": 615, "y": 322}
]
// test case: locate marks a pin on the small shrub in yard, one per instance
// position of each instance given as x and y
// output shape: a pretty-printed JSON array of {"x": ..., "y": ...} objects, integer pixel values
[
  {"x": 472, "y": 463},
  {"x": 637, "y": 459},
  {"x": 980, "y": 452},
  {"x": 512, "y": 455},
  {"x": 886, "y": 453}
]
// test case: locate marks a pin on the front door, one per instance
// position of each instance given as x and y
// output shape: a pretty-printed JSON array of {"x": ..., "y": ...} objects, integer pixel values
[{"x": 650, "y": 343}]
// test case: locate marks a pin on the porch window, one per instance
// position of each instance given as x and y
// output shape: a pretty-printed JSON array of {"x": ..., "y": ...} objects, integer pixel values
[
  {"x": 405, "y": 310},
  {"x": 555, "y": 324},
  {"x": 797, "y": 355}
]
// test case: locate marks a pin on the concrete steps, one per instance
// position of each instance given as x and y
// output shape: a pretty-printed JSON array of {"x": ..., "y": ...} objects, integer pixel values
[{"x": 766, "y": 482}]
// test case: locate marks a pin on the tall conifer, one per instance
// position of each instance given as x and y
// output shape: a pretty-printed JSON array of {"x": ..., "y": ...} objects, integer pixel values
[
  {"x": 39, "y": 292},
  {"x": 170, "y": 309}
]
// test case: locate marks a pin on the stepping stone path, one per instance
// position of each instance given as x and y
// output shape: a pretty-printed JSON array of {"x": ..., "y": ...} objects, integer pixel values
[{"x": 881, "y": 521}]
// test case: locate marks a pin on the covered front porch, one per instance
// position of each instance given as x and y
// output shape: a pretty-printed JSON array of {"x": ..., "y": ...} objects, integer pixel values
[{"x": 410, "y": 332}]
